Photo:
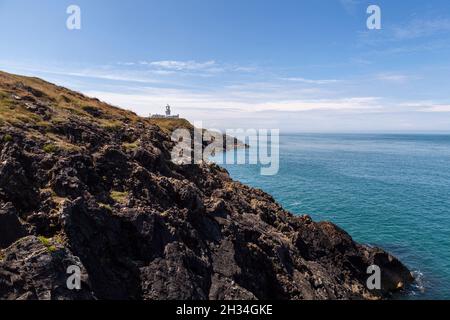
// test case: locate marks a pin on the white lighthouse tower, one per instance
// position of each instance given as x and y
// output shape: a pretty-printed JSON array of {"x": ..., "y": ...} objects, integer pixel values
[{"x": 168, "y": 114}]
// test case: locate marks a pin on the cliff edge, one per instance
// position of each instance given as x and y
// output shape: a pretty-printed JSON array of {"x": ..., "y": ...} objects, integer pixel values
[{"x": 86, "y": 184}]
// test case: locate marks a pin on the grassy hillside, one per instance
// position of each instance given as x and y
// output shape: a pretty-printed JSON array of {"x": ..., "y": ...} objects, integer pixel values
[
  {"x": 18, "y": 93},
  {"x": 35, "y": 105}
]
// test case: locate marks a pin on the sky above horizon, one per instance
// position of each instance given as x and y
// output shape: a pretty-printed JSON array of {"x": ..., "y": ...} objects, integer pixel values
[{"x": 296, "y": 65}]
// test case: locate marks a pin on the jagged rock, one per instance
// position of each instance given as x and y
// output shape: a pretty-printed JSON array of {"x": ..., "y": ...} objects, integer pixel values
[
  {"x": 93, "y": 111},
  {"x": 32, "y": 270},
  {"x": 105, "y": 253},
  {"x": 188, "y": 196},
  {"x": 66, "y": 183},
  {"x": 150, "y": 158},
  {"x": 16, "y": 178},
  {"x": 11, "y": 229},
  {"x": 73, "y": 175},
  {"x": 394, "y": 274},
  {"x": 112, "y": 164}
]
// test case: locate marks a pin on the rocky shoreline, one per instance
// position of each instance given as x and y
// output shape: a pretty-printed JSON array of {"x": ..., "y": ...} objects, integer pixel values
[{"x": 87, "y": 184}]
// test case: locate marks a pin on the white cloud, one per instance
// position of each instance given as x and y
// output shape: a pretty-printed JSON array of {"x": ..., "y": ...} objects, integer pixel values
[
  {"x": 439, "y": 108},
  {"x": 189, "y": 67},
  {"x": 393, "y": 77},
  {"x": 426, "y": 106},
  {"x": 92, "y": 73},
  {"x": 151, "y": 100},
  {"x": 184, "y": 65},
  {"x": 311, "y": 81},
  {"x": 127, "y": 64},
  {"x": 339, "y": 104}
]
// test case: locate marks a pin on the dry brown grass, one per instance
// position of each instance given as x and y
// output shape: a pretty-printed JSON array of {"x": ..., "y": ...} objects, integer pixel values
[
  {"x": 62, "y": 105},
  {"x": 169, "y": 125},
  {"x": 62, "y": 101},
  {"x": 65, "y": 103}
]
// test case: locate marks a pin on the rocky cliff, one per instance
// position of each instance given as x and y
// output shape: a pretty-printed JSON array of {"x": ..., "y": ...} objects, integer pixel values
[{"x": 88, "y": 184}]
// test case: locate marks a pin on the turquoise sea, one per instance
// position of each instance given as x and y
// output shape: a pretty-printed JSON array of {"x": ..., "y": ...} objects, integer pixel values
[{"x": 391, "y": 191}]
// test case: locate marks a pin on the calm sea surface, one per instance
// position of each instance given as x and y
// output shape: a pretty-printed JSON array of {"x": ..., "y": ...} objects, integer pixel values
[{"x": 392, "y": 191}]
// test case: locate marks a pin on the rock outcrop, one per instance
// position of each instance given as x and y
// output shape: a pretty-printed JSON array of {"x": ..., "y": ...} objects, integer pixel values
[{"x": 86, "y": 184}]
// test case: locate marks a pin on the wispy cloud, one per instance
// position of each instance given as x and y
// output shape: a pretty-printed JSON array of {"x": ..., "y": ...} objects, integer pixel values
[
  {"x": 418, "y": 36},
  {"x": 338, "y": 104},
  {"x": 419, "y": 28},
  {"x": 191, "y": 65},
  {"x": 188, "y": 67},
  {"x": 426, "y": 106},
  {"x": 311, "y": 81},
  {"x": 394, "y": 77},
  {"x": 433, "y": 34},
  {"x": 104, "y": 73},
  {"x": 440, "y": 108}
]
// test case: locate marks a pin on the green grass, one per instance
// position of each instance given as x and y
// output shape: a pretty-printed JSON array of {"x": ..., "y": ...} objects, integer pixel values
[
  {"x": 50, "y": 148},
  {"x": 105, "y": 206},
  {"x": 130, "y": 146},
  {"x": 119, "y": 197},
  {"x": 64, "y": 103},
  {"x": 48, "y": 244},
  {"x": 7, "y": 102},
  {"x": 14, "y": 112},
  {"x": 44, "y": 125},
  {"x": 45, "y": 241},
  {"x": 7, "y": 138},
  {"x": 112, "y": 126},
  {"x": 169, "y": 125}
]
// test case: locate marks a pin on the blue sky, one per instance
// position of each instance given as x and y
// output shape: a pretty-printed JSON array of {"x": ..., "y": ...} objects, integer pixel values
[{"x": 308, "y": 65}]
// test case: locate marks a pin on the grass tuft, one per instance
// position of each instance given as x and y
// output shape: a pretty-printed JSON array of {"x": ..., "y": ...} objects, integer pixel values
[
  {"x": 48, "y": 244},
  {"x": 105, "y": 206},
  {"x": 131, "y": 146},
  {"x": 50, "y": 148},
  {"x": 7, "y": 138},
  {"x": 119, "y": 197},
  {"x": 45, "y": 241}
]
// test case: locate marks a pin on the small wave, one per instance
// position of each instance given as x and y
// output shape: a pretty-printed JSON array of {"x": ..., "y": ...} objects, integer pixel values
[{"x": 418, "y": 286}]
